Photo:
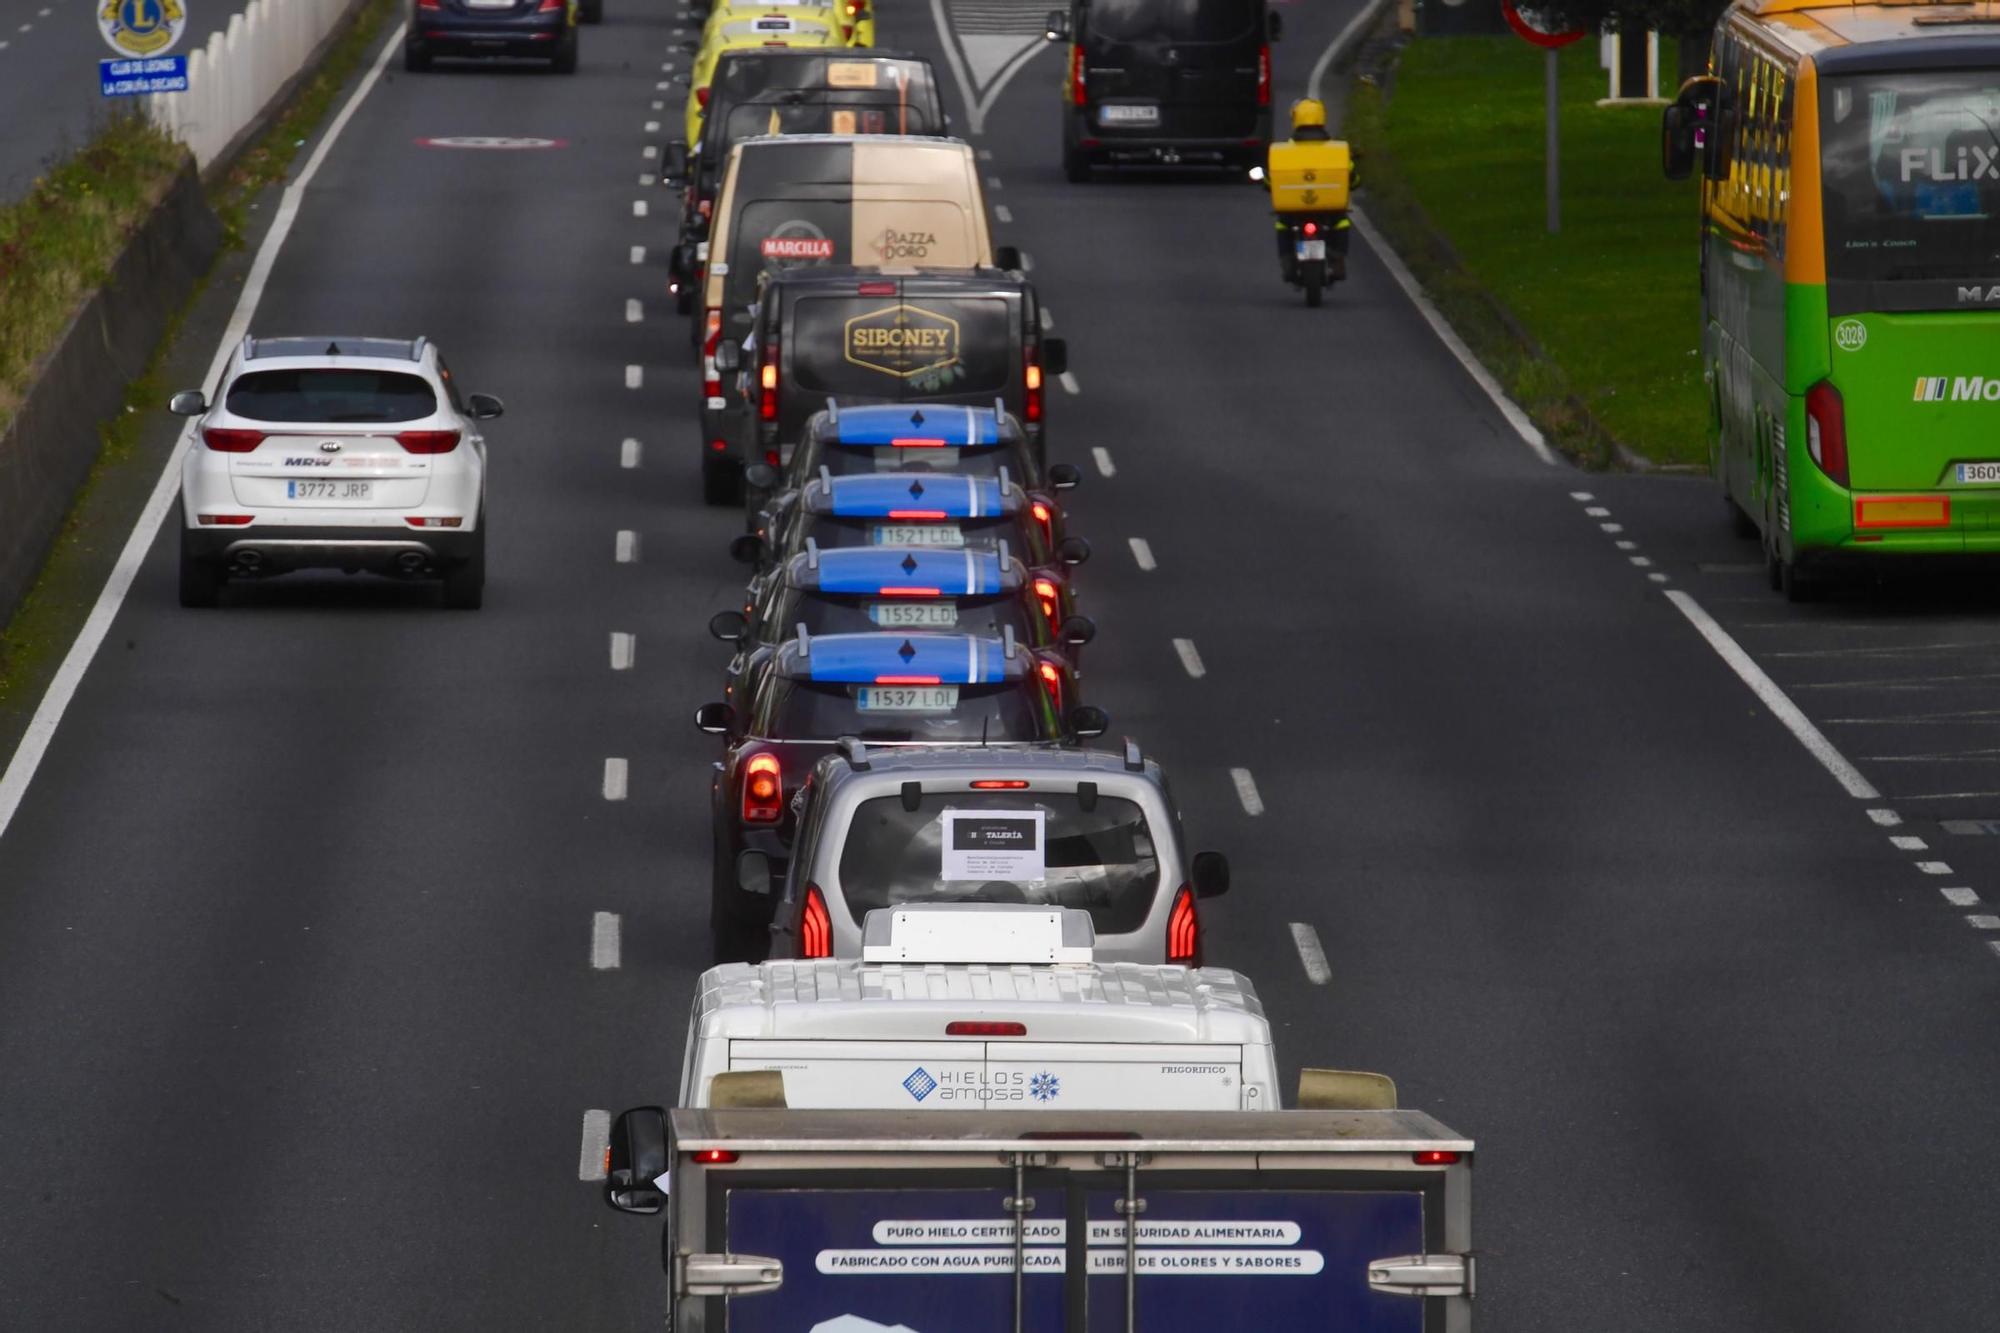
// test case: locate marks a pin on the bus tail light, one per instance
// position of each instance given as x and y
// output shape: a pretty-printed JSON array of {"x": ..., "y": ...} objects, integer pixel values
[
  {"x": 815, "y": 926},
  {"x": 1264, "y": 75},
  {"x": 763, "y": 790},
  {"x": 1076, "y": 96},
  {"x": 1184, "y": 929},
  {"x": 701, "y": 96},
  {"x": 1826, "y": 430},
  {"x": 714, "y": 1156}
]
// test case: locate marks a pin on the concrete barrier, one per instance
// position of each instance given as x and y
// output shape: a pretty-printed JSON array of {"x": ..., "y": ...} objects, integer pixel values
[
  {"x": 242, "y": 70},
  {"x": 48, "y": 448}
]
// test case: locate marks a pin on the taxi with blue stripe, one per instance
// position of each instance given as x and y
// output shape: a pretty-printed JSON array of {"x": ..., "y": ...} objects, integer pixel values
[{"x": 916, "y": 688}]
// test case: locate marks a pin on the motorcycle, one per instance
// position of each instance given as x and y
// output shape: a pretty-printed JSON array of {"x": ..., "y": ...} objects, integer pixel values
[{"x": 1312, "y": 247}]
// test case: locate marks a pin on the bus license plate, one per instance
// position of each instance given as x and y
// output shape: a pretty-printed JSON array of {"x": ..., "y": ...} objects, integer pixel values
[
  {"x": 907, "y": 698},
  {"x": 1128, "y": 115},
  {"x": 1975, "y": 474},
  {"x": 916, "y": 534},
  {"x": 1314, "y": 249},
  {"x": 914, "y": 615},
  {"x": 337, "y": 491}
]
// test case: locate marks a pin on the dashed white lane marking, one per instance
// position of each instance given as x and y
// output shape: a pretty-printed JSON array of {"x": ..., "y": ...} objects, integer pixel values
[
  {"x": 1933, "y": 868},
  {"x": 624, "y": 650},
  {"x": 1598, "y": 511},
  {"x": 1306, "y": 940},
  {"x": 616, "y": 776},
  {"x": 628, "y": 454},
  {"x": 634, "y": 312},
  {"x": 652, "y": 127},
  {"x": 1102, "y": 457},
  {"x": 659, "y": 106},
  {"x": 1001, "y": 212},
  {"x": 604, "y": 951},
  {"x": 638, "y": 208},
  {"x": 1246, "y": 791},
  {"x": 1048, "y": 320},
  {"x": 1583, "y": 496},
  {"x": 993, "y": 183},
  {"x": 664, "y": 84},
  {"x": 1027, "y": 262},
  {"x": 1886, "y": 818},
  {"x": 4, "y": 45},
  {"x": 1143, "y": 553},
  {"x": 651, "y": 150},
  {"x": 1775, "y": 699},
  {"x": 1190, "y": 658},
  {"x": 1069, "y": 383},
  {"x": 1641, "y": 561},
  {"x": 647, "y": 180},
  {"x": 1982, "y": 922},
  {"x": 1613, "y": 528},
  {"x": 1960, "y": 897},
  {"x": 596, "y": 1142},
  {"x": 986, "y": 155},
  {"x": 1508, "y": 408},
  {"x": 1657, "y": 577},
  {"x": 638, "y": 254},
  {"x": 27, "y": 27},
  {"x": 1626, "y": 545},
  {"x": 634, "y": 377},
  {"x": 627, "y": 547},
  {"x": 1907, "y": 843}
]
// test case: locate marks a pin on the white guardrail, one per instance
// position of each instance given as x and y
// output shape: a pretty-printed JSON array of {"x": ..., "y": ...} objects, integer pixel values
[{"x": 234, "y": 77}]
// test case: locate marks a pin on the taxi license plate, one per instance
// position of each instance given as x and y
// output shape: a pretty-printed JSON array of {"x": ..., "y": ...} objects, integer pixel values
[
  {"x": 907, "y": 698},
  {"x": 1312, "y": 249},
  {"x": 914, "y": 615},
  {"x": 1128, "y": 114},
  {"x": 916, "y": 534},
  {"x": 1975, "y": 474},
  {"x": 337, "y": 491}
]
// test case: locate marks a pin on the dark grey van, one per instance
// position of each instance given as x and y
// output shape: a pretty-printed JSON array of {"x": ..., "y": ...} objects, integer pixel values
[{"x": 1165, "y": 82}]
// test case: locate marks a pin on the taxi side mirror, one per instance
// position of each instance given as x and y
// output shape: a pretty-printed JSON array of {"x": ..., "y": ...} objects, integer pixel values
[
  {"x": 762, "y": 476},
  {"x": 188, "y": 403},
  {"x": 747, "y": 549},
  {"x": 729, "y": 626},
  {"x": 1055, "y": 355},
  {"x": 1007, "y": 257},
  {"x": 1064, "y": 476},
  {"x": 1056, "y": 26},
  {"x": 1077, "y": 631},
  {"x": 714, "y": 718},
  {"x": 1088, "y": 720},
  {"x": 638, "y": 1158},
  {"x": 728, "y": 357},
  {"x": 1209, "y": 873},
  {"x": 1073, "y": 550},
  {"x": 674, "y": 162}
]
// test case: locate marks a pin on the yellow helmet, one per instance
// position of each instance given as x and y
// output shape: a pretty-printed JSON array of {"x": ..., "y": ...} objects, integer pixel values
[{"x": 1308, "y": 113}]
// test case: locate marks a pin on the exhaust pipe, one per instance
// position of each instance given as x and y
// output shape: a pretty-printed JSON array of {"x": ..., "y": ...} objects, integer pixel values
[
  {"x": 411, "y": 562},
  {"x": 248, "y": 562}
]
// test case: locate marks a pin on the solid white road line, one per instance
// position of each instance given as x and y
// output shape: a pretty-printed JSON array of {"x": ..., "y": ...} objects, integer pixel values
[
  {"x": 1960, "y": 897},
  {"x": 627, "y": 547},
  {"x": 1523, "y": 427},
  {"x": 1143, "y": 554},
  {"x": 1306, "y": 940},
  {"x": 616, "y": 775},
  {"x": 1775, "y": 699},
  {"x": 1933, "y": 868},
  {"x": 596, "y": 1141},
  {"x": 1356, "y": 26},
  {"x": 624, "y": 650},
  {"x": 604, "y": 951},
  {"x": 638, "y": 254},
  {"x": 628, "y": 454},
  {"x": 1907, "y": 843},
  {"x": 1069, "y": 383},
  {"x": 634, "y": 312},
  {"x": 49, "y": 713},
  {"x": 1001, "y": 212},
  {"x": 1102, "y": 457},
  {"x": 1190, "y": 658},
  {"x": 634, "y": 376},
  {"x": 1886, "y": 818},
  {"x": 1246, "y": 791}
]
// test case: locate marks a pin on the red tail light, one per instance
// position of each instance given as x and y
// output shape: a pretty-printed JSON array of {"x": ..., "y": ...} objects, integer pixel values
[
  {"x": 815, "y": 926},
  {"x": 232, "y": 441},
  {"x": 1184, "y": 930},
  {"x": 999, "y": 784},
  {"x": 911, "y": 592},
  {"x": 1435, "y": 1157},
  {"x": 1032, "y": 399},
  {"x": 711, "y": 335},
  {"x": 1045, "y": 592},
  {"x": 701, "y": 96},
  {"x": 1052, "y": 681},
  {"x": 928, "y": 515},
  {"x": 428, "y": 441},
  {"x": 1826, "y": 430},
  {"x": 225, "y": 520},
  {"x": 1264, "y": 76},
  {"x": 906, "y": 680},
  {"x": 551, "y": 6},
  {"x": 1076, "y": 96},
  {"x": 430, "y": 4},
  {"x": 967, "y": 1028},
  {"x": 1046, "y": 518},
  {"x": 767, "y": 385},
  {"x": 714, "y": 1156},
  {"x": 1312, "y": 228},
  {"x": 763, "y": 790}
]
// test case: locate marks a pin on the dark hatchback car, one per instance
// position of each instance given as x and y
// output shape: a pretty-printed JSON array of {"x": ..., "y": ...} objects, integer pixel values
[
  {"x": 895, "y": 689},
  {"x": 789, "y": 90},
  {"x": 532, "y": 29},
  {"x": 1165, "y": 82},
  {"x": 966, "y": 335}
]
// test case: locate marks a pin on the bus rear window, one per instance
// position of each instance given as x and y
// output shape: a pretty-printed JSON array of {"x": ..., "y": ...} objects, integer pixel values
[
  {"x": 882, "y": 348},
  {"x": 1911, "y": 166}
]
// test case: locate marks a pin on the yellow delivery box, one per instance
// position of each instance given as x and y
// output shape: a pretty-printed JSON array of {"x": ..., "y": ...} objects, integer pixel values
[{"x": 1310, "y": 177}]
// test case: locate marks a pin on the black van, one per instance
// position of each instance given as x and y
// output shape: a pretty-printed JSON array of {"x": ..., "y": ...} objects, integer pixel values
[
  {"x": 862, "y": 335},
  {"x": 791, "y": 90},
  {"x": 1165, "y": 82}
]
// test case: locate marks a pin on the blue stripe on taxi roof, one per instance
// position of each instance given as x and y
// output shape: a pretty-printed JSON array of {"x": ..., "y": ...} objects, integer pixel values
[
  {"x": 949, "y": 426},
  {"x": 860, "y": 659},
  {"x": 886, "y": 494},
  {"x": 954, "y": 572}
]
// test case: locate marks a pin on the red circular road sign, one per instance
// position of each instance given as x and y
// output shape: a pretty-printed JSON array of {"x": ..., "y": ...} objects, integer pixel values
[
  {"x": 489, "y": 142},
  {"x": 1527, "y": 25}
]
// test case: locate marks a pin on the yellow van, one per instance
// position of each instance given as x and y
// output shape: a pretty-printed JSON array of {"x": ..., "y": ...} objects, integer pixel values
[{"x": 748, "y": 28}]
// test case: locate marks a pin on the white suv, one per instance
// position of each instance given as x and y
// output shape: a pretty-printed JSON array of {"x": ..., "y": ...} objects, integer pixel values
[{"x": 335, "y": 453}]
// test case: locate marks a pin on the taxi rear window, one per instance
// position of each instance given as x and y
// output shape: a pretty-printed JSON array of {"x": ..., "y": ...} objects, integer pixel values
[
  {"x": 885, "y": 348},
  {"x": 331, "y": 394},
  {"x": 823, "y": 710},
  {"x": 1103, "y": 860}
]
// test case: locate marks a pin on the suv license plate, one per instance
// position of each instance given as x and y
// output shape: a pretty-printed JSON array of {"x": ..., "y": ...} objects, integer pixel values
[
  {"x": 1128, "y": 115},
  {"x": 916, "y": 534},
  {"x": 1978, "y": 473},
  {"x": 1312, "y": 249},
  {"x": 340, "y": 492},
  {"x": 906, "y": 698}
]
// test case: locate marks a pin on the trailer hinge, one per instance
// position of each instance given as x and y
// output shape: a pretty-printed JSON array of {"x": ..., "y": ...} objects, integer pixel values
[
  {"x": 1423, "y": 1275},
  {"x": 728, "y": 1274}
]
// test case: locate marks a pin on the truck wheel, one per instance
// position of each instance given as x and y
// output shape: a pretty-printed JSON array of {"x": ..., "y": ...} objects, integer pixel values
[
  {"x": 721, "y": 481},
  {"x": 465, "y": 581},
  {"x": 202, "y": 576}
]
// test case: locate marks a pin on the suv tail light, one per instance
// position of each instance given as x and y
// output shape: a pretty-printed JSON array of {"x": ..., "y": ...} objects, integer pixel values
[
  {"x": 767, "y": 384},
  {"x": 815, "y": 926},
  {"x": 428, "y": 441},
  {"x": 1184, "y": 929},
  {"x": 763, "y": 790},
  {"x": 1031, "y": 404},
  {"x": 1264, "y": 75},
  {"x": 711, "y": 335},
  {"x": 1076, "y": 96},
  {"x": 231, "y": 441},
  {"x": 1826, "y": 430}
]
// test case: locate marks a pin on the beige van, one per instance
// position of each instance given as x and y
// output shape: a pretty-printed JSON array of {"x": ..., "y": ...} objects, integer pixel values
[{"x": 792, "y": 201}]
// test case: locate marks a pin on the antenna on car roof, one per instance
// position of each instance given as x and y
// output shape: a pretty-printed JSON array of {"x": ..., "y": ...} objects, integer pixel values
[
  {"x": 913, "y": 796},
  {"x": 805, "y": 641},
  {"x": 812, "y": 553}
]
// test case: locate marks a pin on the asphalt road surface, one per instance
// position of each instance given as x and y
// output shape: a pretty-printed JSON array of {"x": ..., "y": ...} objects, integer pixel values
[{"x": 298, "y": 1014}]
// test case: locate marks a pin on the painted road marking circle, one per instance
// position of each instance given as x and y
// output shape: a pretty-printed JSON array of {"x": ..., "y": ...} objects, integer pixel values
[{"x": 490, "y": 141}]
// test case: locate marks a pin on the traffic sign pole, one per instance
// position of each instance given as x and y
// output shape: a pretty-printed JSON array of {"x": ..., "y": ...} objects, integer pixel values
[{"x": 1552, "y": 142}]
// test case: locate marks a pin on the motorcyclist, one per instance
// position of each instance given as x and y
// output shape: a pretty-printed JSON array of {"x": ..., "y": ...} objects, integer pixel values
[{"x": 1310, "y": 148}]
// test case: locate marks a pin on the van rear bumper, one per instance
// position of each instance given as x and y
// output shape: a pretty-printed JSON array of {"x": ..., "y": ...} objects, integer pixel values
[{"x": 1165, "y": 147}]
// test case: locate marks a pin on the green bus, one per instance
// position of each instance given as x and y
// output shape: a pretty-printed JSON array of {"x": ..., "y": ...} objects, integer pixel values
[{"x": 1850, "y": 276}]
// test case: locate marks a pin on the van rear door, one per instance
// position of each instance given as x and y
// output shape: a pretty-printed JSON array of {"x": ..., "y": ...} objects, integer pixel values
[
  {"x": 1089, "y": 1076},
  {"x": 1180, "y": 70}
]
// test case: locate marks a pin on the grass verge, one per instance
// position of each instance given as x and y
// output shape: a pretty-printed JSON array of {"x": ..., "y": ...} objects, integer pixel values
[{"x": 1594, "y": 332}]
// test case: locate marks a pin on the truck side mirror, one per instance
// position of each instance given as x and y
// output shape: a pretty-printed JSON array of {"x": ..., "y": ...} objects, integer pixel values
[
  {"x": 1055, "y": 355},
  {"x": 714, "y": 718},
  {"x": 1345, "y": 1090},
  {"x": 674, "y": 162},
  {"x": 728, "y": 357},
  {"x": 729, "y": 626},
  {"x": 1209, "y": 873},
  {"x": 188, "y": 403},
  {"x": 1077, "y": 631},
  {"x": 638, "y": 1158},
  {"x": 1056, "y": 26}
]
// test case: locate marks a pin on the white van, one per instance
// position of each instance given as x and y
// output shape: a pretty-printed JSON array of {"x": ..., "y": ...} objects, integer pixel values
[{"x": 981, "y": 1007}]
